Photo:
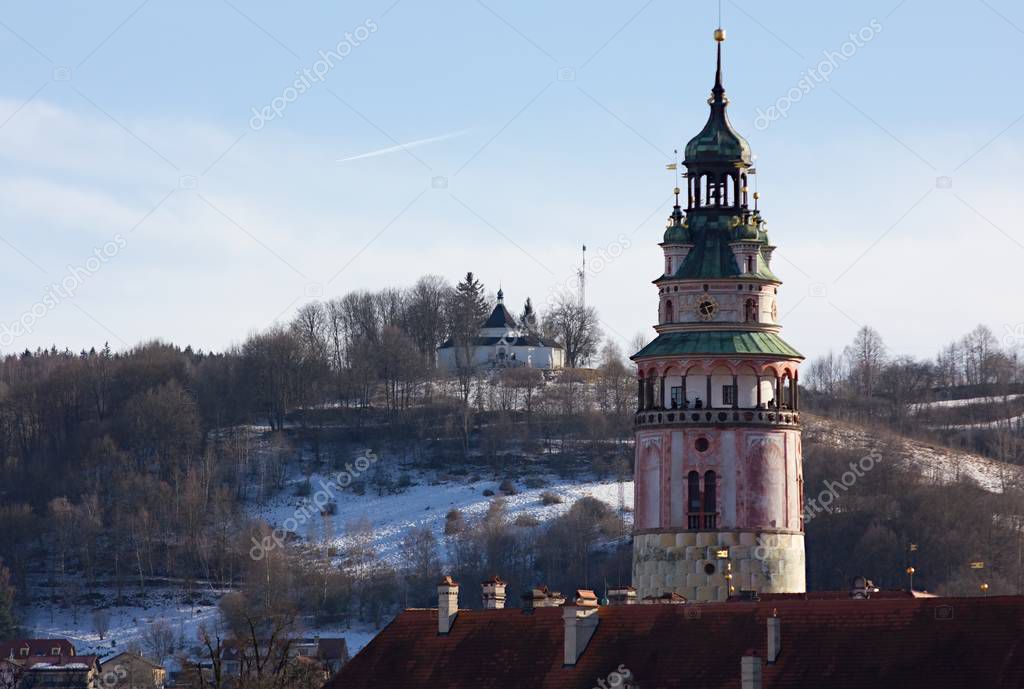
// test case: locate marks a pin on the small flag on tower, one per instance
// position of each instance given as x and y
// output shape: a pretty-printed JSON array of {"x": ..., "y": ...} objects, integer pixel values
[
  {"x": 913, "y": 547},
  {"x": 671, "y": 166},
  {"x": 978, "y": 565}
]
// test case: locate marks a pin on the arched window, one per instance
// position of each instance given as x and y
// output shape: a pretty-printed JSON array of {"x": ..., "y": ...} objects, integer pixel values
[
  {"x": 750, "y": 311},
  {"x": 710, "y": 501},
  {"x": 693, "y": 500},
  {"x": 668, "y": 311}
]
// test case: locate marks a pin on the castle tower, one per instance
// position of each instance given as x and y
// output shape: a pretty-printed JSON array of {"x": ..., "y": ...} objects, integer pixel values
[{"x": 719, "y": 475}]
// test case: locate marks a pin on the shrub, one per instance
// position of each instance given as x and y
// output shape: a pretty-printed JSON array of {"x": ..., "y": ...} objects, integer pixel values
[
  {"x": 527, "y": 520},
  {"x": 535, "y": 482},
  {"x": 488, "y": 492},
  {"x": 508, "y": 487},
  {"x": 304, "y": 489},
  {"x": 454, "y": 522},
  {"x": 549, "y": 498}
]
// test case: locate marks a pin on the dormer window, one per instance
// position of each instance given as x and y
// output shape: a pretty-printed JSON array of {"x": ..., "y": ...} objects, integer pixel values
[
  {"x": 55, "y": 651},
  {"x": 24, "y": 651}
]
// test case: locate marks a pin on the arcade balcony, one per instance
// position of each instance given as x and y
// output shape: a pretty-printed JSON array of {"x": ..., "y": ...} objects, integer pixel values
[{"x": 716, "y": 417}]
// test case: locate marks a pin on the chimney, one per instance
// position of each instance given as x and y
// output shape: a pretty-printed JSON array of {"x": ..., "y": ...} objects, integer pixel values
[
  {"x": 580, "y": 623},
  {"x": 447, "y": 604},
  {"x": 862, "y": 588},
  {"x": 774, "y": 637},
  {"x": 494, "y": 593},
  {"x": 750, "y": 671},
  {"x": 622, "y": 595},
  {"x": 541, "y": 597}
]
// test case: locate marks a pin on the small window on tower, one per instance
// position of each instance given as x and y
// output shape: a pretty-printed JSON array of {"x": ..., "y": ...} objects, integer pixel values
[{"x": 728, "y": 395}]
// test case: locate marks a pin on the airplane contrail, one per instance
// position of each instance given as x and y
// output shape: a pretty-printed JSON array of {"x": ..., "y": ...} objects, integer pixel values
[{"x": 399, "y": 147}]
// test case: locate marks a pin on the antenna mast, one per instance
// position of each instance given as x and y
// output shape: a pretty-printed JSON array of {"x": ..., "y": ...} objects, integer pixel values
[{"x": 583, "y": 278}]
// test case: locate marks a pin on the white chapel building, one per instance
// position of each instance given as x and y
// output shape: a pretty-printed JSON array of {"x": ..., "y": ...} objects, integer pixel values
[{"x": 501, "y": 343}]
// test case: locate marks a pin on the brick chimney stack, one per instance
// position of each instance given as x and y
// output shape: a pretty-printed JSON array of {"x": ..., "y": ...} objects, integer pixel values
[
  {"x": 494, "y": 593},
  {"x": 580, "y": 622},
  {"x": 447, "y": 604}
]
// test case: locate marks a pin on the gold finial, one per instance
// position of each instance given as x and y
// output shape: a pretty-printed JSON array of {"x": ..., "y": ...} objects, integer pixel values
[
  {"x": 676, "y": 191},
  {"x": 719, "y": 34},
  {"x": 757, "y": 195},
  {"x": 984, "y": 588}
]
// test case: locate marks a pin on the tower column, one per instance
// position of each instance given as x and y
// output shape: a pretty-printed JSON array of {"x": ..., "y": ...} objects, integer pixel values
[{"x": 713, "y": 486}]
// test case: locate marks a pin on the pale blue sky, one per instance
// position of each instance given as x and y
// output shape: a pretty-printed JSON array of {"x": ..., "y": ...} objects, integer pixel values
[{"x": 551, "y": 124}]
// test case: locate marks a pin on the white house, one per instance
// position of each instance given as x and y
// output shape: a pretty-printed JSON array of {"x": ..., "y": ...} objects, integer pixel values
[{"x": 501, "y": 343}]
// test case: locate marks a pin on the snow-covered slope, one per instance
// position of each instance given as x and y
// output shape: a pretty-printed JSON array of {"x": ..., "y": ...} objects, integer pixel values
[
  {"x": 933, "y": 461},
  {"x": 426, "y": 503}
]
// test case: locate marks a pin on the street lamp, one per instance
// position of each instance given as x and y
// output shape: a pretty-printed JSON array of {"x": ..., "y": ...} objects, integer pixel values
[{"x": 910, "y": 573}]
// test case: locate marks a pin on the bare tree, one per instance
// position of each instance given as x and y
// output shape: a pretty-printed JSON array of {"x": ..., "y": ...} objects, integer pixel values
[
  {"x": 866, "y": 356},
  {"x": 10, "y": 674},
  {"x": 576, "y": 328},
  {"x": 826, "y": 374},
  {"x": 158, "y": 638},
  {"x": 101, "y": 622},
  {"x": 426, "y": 317}
]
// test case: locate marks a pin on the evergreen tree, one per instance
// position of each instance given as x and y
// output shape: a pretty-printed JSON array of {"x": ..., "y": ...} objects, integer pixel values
[
  {"x": 468, "y": 310},
  {"x": 528, "y": 318}
]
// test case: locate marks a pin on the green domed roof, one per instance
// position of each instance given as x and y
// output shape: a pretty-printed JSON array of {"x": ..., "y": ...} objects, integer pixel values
[
  {"x": 718, "y": 142},
  {"x": 748, "y": 231},
  {"x": 677, "y": 234}
]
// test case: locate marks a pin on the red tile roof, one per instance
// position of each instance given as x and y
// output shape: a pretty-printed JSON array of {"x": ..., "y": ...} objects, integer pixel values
[
  {"x": 61, "y": 662},
  {"x": 36, "y": 647},
  {"x": 835, "y": 644}
]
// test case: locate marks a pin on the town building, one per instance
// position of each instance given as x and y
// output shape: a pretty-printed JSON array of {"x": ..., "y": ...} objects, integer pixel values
[
  {"x": 60, "y": 672},
  {"x": 501, "y": 343},
  {"x": 718, "y": 477},
  {"x": 129, "y": 670}
]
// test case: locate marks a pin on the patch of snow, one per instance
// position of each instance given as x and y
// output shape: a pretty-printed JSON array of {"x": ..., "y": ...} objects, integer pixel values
[
  {"x": 425, "y": 503},
  {"x": 965, "y": 402},
  {"x": 939, "y": 464}
]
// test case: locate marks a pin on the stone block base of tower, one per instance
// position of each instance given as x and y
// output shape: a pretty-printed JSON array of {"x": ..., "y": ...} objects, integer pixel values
[{"x": 698, "y": 564}]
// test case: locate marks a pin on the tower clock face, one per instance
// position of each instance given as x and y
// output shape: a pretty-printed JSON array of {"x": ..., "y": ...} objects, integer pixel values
[{"x": 707, "y": 307}]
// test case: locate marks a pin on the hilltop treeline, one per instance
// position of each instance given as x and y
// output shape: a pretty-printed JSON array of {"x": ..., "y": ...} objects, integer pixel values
[
  {"x": 971, "y": 395},
  {"x": 137, "y": 464}
]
